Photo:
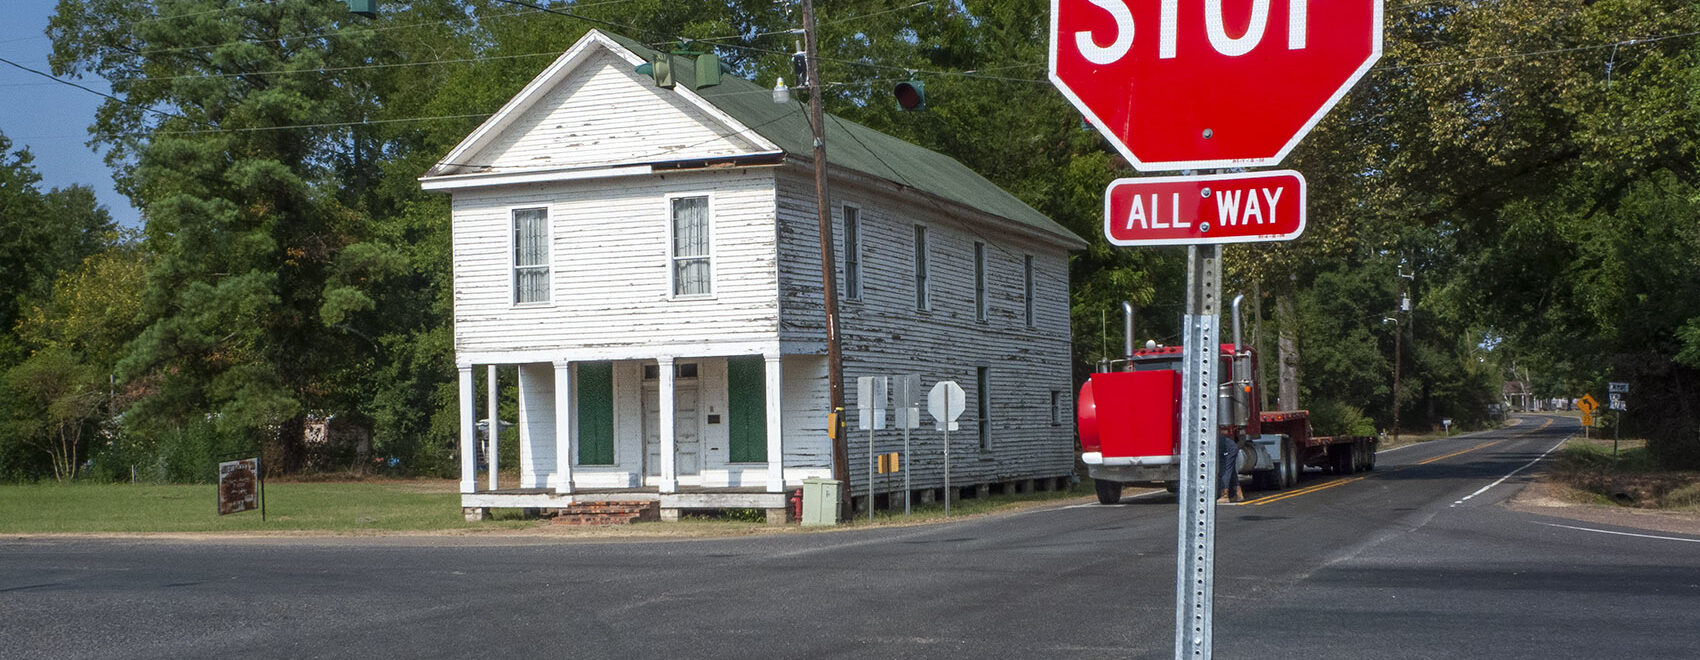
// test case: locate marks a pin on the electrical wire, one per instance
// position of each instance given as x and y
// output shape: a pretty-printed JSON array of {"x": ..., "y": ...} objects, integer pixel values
[{"x": 90, "y": 90}]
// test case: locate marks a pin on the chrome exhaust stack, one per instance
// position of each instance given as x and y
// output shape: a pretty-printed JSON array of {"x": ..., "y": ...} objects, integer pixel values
[{"x": 1127, "y": 331}]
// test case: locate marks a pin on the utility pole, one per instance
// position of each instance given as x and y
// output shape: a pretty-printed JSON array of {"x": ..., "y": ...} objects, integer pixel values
[
  {"x": 1398, "y": 339},
  {"x": 828, "y": 269}
]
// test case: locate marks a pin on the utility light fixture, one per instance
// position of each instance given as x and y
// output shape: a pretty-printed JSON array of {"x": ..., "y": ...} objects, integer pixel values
[
  {"x": 911, "y": 95},
  {"x": 781, "y": 93}
]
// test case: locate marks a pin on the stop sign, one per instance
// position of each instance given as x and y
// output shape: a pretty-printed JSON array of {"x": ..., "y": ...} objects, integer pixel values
[{"x": 1209, "y": 83}]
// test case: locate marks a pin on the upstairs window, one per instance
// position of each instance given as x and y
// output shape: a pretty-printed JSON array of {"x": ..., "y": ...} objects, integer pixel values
[
  {"x": 531, "y": 256},
  {"x": 980, "y": 281},
  {"x": 852, "y": 252},
  {"x": 692, "y": 272},
  {"x": 921, "y": 267}
]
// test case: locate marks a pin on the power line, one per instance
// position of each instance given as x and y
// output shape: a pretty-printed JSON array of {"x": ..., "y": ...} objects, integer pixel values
[
  {"x": 91, "y": 90},
  {"x": 336, "y": 69},
  {"x": 363, "y": 122}
]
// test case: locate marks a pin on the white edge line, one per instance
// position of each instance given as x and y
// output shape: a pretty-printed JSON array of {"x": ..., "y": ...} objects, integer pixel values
[
  {"x": 1513, "y": 473},
  {"x": 1640, "y": 536}
]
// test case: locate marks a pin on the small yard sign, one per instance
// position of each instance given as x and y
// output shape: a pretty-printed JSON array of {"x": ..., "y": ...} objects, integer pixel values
[{"x": 238, "y": 486}]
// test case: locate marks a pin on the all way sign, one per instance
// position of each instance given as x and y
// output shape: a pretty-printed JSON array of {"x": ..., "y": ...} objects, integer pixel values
[{"x": 1198, "y": 210}]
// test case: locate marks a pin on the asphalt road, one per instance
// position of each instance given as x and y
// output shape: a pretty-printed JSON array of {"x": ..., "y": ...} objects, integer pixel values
[{"x": 1415, "y": 560}]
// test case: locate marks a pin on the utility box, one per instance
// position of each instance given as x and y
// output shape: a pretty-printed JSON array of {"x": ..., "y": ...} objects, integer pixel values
[{"x": 820, "y": 501}]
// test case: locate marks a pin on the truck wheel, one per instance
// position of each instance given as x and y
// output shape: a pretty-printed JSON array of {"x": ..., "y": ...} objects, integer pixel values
[
  {"x": 1289, "y": 471},
  {"x": 1109, "y": 492},
  {"x": 1346, "y": 459},
  {"x": 1173, "y": 487}
]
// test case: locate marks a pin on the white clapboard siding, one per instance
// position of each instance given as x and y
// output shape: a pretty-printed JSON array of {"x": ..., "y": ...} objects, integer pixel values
[
  {"x": 536, "y": 424},
  {"x": 884, "y": 335},
  {"x": 610, "y": 265},
  {"x": 604, "y": 113}
]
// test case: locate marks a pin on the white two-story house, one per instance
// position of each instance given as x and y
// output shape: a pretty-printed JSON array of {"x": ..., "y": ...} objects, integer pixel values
[{"x": 647, "y": 259}]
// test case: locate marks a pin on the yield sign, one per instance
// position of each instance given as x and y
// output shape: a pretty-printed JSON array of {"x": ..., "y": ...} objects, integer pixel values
[{"x": 1212, "y": 84}]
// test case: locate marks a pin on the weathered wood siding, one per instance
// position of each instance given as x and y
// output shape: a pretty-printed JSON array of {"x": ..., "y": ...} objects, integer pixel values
[
  {"x": 610, "y": 263},
  {"x": 808, "y": 452},
  {"x": 605, "y": 113},
  {"x": 884, "y": 334}
]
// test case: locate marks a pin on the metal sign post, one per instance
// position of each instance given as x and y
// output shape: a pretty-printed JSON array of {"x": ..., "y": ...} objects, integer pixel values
[
  {"x": 908, "y": 417},
  {"x": 946, "y": 403},
  {"x": 1195, "y": 550}
]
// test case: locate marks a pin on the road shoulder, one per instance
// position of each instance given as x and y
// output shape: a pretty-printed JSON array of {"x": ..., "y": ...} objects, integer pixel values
[{"x": 1543, "y": 497}]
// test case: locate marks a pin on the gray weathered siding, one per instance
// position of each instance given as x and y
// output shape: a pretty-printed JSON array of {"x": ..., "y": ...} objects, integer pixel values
[{"x": 885, "y": 335}]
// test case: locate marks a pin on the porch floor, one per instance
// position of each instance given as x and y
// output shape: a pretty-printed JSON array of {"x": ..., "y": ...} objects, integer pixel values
[{"x": 687, "y": 497}]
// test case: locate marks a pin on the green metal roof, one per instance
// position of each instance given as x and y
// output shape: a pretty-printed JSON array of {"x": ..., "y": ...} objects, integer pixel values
[{"x": 856, "y": 147}]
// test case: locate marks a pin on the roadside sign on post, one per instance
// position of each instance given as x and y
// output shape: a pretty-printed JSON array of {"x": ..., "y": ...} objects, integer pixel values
[
  {"x": 238, "y": 486},
  {"x": 1588, "y": 403},
  {"x": 871, "y": 395},
  {"x": 907, "y": 399},
  {"x": 1199, "y": 210},
  {"x": 1617, "y": 388},
  {"x": 946, "y": 403},
  {"x": 1195, "y": 85},
  {"x": 1205, "y": 85}
]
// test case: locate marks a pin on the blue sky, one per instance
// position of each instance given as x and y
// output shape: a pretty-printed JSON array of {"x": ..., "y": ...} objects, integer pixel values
[{"x": 49, "y": 118}]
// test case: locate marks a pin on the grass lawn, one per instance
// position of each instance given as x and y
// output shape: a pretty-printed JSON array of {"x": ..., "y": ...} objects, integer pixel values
[
  {"x": 1632, "y": 477},
  {"x": 379, "y": 507},
  {"x": 346, "y": 507}
]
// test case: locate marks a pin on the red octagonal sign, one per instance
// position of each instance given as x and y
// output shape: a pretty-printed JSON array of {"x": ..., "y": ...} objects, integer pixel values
[{"x": 1199, "y": 84}]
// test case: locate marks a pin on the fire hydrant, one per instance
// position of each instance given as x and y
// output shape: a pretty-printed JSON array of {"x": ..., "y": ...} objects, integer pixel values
[{"x": 797, "y": 506}]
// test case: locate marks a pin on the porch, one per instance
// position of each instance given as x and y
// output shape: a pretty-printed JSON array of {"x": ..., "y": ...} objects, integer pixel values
[{"x": 687, "y": 432}]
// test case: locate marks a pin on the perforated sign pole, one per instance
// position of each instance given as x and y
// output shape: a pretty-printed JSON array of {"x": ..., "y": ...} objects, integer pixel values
[{"x": 1195, "y": 568}]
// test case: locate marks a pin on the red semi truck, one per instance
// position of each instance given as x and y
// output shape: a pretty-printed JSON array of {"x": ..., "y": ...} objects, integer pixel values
[{"x": 1130, "y": 426}]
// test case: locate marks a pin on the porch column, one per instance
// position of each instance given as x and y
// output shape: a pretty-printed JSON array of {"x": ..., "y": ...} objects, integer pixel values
[
  {"x": 563, "y": 428},
  {"x": 775, "y": 426},
  {"x": 468, "y": 432},
  {"x": 669, "y": 467},
  {"x": 490, "y": 456}
]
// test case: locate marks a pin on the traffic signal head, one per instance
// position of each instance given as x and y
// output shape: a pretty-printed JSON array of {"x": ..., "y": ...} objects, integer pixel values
[{"x": 911, "y": 95}]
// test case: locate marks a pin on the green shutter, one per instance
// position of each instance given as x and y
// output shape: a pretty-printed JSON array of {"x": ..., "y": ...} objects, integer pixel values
[
  {"x": 595, "y": 413},
  {"x": 746, "y": 381}
]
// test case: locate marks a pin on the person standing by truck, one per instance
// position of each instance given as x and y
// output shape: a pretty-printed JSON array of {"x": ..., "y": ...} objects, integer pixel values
[{"x": 1227, "y": 469}]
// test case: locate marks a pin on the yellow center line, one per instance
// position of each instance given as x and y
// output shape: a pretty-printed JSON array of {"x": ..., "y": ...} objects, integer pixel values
[
  {"x": 1341, "y": 482},
  {"x": 1306, "y": 491},
  {"x": 1457, "y": 453}
]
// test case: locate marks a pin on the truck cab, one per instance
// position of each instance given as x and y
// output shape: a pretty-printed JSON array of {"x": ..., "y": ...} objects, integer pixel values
[{"x": 1130, "y": 425}]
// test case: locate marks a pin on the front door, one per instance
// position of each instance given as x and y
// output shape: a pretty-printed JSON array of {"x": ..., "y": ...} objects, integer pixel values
[{"x": 687, "y": 437}]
